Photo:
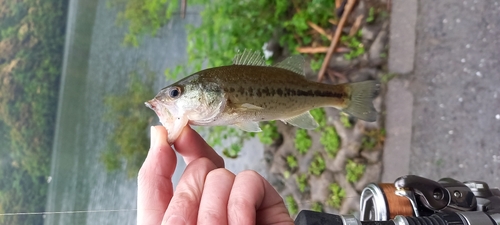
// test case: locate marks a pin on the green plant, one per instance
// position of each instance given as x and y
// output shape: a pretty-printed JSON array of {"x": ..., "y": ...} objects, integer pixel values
[
  {"x": 32, "y": 45},
  {"x": 373, "y": 138},
  {"x": 291, "y": 204},
  {"x": 337, "y": 195},
  {"x": 317, "y": 62},
  {"x": 320, "y": 116},
  {"x": 143, "y": 17},
  {"x": 126, "y": 143},
  {"x": 302, "y": 141},
  {"x": 286, "y": 174},
  {"x": 371, "y": 15},
  {"x": 232, "y": 151},
  {"x": 317, "y": 206},
  {"x": 354, "y": 171},
  {"x": 385, "y": 78},
  {"x": 330, "y": 140},
  {"x": 269, "y": 133},
  {"x": 355, "y": 44},
  {"x": 344, "y": 119},
  {"x": 292, "y": 162},
  {"x": 301, "y": 181},
  {"x": 230, "y": 139},
  {"x": 317, "y": 165}
]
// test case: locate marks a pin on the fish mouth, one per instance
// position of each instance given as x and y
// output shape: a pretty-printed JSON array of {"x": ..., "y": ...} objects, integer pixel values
[{"x": 153, "y": 105}]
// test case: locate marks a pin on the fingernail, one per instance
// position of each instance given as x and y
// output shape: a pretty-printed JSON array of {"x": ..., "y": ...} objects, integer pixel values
[
  {"x": 174, "y": 219},
  {"x": 153, "y": 137}
]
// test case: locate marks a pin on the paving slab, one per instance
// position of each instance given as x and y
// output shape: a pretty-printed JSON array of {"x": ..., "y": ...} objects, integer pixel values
[{"x": 455, "y": 85}]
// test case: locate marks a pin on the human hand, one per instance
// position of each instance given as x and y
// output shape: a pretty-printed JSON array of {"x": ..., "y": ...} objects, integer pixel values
[{"x": 207, "y": 193}]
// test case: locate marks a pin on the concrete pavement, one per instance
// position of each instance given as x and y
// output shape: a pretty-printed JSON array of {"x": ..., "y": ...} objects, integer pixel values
[{"x": 444, "y": 111}]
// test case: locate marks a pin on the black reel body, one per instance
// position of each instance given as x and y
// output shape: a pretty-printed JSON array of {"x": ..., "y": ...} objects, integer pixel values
[{"x": 414, "y": 200}]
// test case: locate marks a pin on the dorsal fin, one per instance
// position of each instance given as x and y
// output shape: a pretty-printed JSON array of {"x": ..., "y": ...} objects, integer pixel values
[
  {"x": 249, "y": 58},
  {"x": 294, "y": 63}
]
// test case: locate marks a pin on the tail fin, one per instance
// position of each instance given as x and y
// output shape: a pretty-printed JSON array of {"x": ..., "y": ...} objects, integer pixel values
[{"x": 360, "y": 104}]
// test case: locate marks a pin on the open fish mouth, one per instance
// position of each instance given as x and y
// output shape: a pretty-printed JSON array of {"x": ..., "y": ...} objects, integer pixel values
[
  {"x": 161, "y": 111},
  {"x": 152, "y": 105}
]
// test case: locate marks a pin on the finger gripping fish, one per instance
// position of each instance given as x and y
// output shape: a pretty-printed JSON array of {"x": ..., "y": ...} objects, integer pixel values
[{"x": 248, "y": 92}]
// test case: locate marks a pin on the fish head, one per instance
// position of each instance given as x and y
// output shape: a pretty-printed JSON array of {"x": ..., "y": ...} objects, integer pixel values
[{"x": 185, "y": 102}]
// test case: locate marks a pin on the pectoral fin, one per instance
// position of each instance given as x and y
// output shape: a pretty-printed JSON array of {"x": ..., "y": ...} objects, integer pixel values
[
  {"x": 249, "y": 126},
  {"x": 304, "y": 120}
]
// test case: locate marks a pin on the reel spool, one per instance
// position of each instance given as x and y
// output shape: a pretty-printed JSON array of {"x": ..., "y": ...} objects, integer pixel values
[{"x": 380, "y": 203}]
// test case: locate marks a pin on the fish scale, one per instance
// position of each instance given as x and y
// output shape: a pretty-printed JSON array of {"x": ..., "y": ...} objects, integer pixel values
[{"x": 275, "y": 89}]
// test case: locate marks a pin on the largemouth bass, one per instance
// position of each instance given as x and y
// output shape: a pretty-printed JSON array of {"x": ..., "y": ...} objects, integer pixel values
[{"x": 248, "y": 92}]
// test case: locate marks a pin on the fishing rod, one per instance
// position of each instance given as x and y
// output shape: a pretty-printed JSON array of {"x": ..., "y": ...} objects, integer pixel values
[{"x": 66, "y": 212}]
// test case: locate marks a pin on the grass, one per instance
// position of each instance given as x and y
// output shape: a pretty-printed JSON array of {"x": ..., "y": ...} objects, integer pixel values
[
  {"x": 302, "y": 141},
  {"x": 330, "y": 140},
  {"x": 317, "y": 165},
  {"x": 291, "y": 204},
  {"x": 354, "y": 171},
  {"x": 337, "y": 194}
]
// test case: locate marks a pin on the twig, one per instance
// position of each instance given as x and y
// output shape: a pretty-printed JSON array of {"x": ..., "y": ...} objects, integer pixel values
[
  {"x": 320, "y": 49},
  {"x": 356, "y": 25},
  {"x": 332, "y": 21},
  {"x": 319, "y": 29},
  {"x": 183, "y": 8},
  {"x": 336, "y": 38},
  {"x": 312, "y": 50}
]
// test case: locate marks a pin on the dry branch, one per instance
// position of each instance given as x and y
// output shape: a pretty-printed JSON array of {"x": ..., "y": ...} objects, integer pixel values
[
  {"x": 312, "y": 50},
  {"x": 336, "y": 38},
  {"x": 319, "y": 30},
  {"x": 356, "y": 25}
]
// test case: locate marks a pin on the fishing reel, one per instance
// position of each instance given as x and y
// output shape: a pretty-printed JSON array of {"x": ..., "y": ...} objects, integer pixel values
[{"x": 414, "y": 200}]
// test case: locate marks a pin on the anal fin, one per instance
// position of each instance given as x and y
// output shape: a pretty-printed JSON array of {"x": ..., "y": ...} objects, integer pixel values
[
  {"x": 304, "y": 120},
  {"x": 249, "y": 126}
]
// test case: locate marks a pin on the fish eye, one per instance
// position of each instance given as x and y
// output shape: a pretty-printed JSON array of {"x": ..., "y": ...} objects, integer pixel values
[{"x": 174, "y": 92}]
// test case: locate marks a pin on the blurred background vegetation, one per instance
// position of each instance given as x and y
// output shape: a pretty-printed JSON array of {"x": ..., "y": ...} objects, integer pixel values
[
  {"x": 31, "y": 46},
  {"x": 226, "y": 27},
  {"x": 31, "y": 42}
]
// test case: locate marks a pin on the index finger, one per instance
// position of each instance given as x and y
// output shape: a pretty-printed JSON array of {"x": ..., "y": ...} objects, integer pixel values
[{"x": 192, "y": 146}]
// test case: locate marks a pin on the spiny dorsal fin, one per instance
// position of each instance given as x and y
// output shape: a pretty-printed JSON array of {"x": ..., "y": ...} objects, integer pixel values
[
  {"x": 294, "y": 63},
  {"x": 249, "y": 58}
]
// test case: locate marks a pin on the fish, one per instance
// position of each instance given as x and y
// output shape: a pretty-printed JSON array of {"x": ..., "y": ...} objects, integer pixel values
[{"x": 249, "y": 91}]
